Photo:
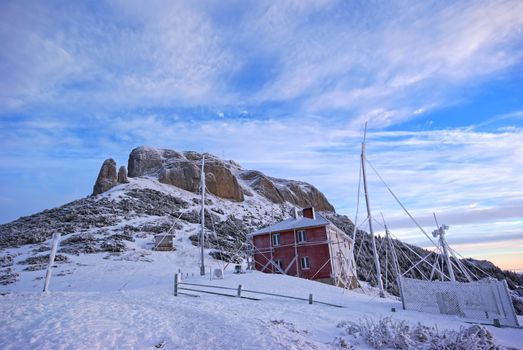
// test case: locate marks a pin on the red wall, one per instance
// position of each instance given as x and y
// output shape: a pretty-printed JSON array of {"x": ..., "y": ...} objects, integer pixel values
[{"x": 316, "y": 248}]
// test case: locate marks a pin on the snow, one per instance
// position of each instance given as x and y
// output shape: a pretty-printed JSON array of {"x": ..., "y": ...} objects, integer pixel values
[
  {"x": 118, "y": 303},
  {"x": 126, "y": 301}
]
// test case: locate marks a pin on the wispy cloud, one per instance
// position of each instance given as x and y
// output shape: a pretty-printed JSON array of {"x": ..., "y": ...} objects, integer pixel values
[{"x": 384, "y": 63}]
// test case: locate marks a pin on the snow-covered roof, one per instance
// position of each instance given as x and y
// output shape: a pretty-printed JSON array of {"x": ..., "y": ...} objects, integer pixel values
[{"x": 292, "y": 223}]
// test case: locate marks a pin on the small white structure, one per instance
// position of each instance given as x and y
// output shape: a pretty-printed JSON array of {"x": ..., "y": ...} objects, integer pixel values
[{"x": 483, "y": 300}]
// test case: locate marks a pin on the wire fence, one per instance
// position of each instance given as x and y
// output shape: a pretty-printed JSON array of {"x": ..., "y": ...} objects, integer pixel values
[{"x": 487, "y": 300}]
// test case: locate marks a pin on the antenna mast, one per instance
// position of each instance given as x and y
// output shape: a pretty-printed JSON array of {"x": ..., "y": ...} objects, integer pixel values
[
  {"x": 369, "y": 216},
  {"x": 441, "y": 233},
  {"x": 202, "y": 233}
]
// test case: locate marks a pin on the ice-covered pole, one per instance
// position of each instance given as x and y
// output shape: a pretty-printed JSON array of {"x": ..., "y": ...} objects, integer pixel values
[
  {"x": 369, "y": 216},
  {"x": 54, "y": 247},
  {"x": 443, "y": 242},
  {"x": 202, "y": 233}
]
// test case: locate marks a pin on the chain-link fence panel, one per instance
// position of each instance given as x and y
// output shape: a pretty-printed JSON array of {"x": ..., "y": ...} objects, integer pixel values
[{"x": 483, "y": 300}]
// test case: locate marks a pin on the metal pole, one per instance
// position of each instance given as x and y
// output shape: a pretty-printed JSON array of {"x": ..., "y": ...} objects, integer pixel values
[
  {"x": 202, "y": 233},
  {"x": 446, "y": 251},
  {"x": 369, "y": 216},
  {"x": 54, "y": 247}
]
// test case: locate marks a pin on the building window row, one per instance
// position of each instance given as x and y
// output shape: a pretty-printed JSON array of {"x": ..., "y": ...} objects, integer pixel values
[
  {"x": 304, "y": 260},
  {"x": 302, "y": 237}
]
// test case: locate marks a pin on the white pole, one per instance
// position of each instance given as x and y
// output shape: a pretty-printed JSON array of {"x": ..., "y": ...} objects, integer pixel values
[
  {"x": 54, "y": 247},
  {"x": 369, "y": 216},
  {"x": 443, "y": 242},
  {"x": 202, "y": 237}
]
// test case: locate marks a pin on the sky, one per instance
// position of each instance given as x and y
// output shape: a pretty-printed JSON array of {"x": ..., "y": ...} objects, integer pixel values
[{"x": 284, "y": 87}]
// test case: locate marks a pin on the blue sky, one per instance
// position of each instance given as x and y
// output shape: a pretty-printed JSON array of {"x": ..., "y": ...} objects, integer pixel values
[{"x": 280, "y": 86}]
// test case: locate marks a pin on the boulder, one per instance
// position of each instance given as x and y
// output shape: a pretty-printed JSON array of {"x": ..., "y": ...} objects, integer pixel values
[
  {"x": 278, "y": 191},
  {"x": 304, "y": 195},
  {"x": 122, "y": 175},
  {"x": 149, "y": 161},
  {"x": 221, "y": 182},
  {"x": 106, "y": 177},
  {"x": 182, "y": 174},
  {"x": 262, "y": 185}
]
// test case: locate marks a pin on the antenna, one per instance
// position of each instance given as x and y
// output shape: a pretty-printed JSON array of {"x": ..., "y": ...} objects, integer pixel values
[
  {"x": 369, "y": 216},
  {"x": 441, "y": 233}
]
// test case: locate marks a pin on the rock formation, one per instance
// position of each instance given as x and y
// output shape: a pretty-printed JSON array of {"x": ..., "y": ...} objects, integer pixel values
[
  {"x": 224, "y": 179},
  {"x": 106, "y": 177},
  {"x": 183, "y": 170},
  {"x": 279, "y": 191},
  {"x": 221, "y": 182},
  {"x": 185, "y": 175},
  {"x": 122, "y": 175}
]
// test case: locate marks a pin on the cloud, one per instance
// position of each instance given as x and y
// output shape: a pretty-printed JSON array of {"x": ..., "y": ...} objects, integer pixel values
[{"x": 385, "y": 64}]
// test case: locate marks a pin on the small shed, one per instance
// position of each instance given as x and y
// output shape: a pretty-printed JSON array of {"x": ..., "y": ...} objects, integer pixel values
[{"x": 164, "y": 242}]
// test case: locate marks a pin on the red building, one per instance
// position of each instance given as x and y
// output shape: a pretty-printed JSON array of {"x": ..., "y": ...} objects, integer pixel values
[{"x": 307, "y": 246}]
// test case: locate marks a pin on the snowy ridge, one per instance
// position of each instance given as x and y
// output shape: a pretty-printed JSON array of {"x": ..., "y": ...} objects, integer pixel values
[{"x": 111, "y": 290}]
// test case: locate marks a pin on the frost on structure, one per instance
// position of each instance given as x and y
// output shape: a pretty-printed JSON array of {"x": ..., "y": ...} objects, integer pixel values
[{"x": 483, "y": 300}]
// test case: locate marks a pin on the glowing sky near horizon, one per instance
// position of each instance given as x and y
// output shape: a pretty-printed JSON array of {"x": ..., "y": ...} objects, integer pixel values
[{"x": 284, "y": 87}]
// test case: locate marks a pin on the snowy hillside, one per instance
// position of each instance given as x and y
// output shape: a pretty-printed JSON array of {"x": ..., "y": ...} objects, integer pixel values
[{"x": 111, "y": 290}]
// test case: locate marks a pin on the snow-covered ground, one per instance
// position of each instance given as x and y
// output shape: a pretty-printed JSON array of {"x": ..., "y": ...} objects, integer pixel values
[{"x": 127, "y": 302}]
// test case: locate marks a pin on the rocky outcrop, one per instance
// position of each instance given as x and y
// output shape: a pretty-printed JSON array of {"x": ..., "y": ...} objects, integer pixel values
[
  {"x": 122, "y": 175},
  {"x": 221, "y": 182},
  {"x": 183, "y": 174},
  {"x": 303, "y": 195},
  {"x": 278, "y": 191},
  {"x": 183, "y": 170},
  {"x": 262, "y": 185},
  {"x": 107, "y": 177},
  {"x": 148, "y": 161}
]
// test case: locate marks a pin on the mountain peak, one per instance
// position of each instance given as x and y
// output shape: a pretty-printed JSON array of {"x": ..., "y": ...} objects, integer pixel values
[{"x": 224, "y": 179}]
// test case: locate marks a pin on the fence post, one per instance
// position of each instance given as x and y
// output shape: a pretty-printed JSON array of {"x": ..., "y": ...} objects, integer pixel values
[
  {"x": 239, "y": 291},
  {"x": 54, "y": 247},
  {"x": 175, "y": 284},
  {"x": 310, "y": 298}
]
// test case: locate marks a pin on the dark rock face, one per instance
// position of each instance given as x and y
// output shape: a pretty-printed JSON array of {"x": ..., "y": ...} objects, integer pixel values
[
  {"x": 87, "y": 214},
  {"x": 122, "y": 175},
  {"x": 262, "y": 185},
  {"x": 279, "y": 191},
  {"x": 305, "y": 195},
  {"x": 184, "y": 175},
  {"x": 183, "y": 170},
  {"x": 148, "y": 161},
  {"x": 107, "y": 177},
  {"x": 222, "y": 183}
]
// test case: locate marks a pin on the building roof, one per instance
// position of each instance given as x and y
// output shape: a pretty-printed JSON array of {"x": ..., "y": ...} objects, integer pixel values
[{"x": 292, "y": 223}]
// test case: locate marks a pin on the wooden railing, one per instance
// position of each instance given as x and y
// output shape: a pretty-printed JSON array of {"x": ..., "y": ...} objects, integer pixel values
[{"x": 180, "y": 286}]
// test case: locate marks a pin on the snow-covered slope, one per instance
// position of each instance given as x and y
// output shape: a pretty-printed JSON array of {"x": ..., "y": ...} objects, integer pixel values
[{"x": 111, "y": 290}]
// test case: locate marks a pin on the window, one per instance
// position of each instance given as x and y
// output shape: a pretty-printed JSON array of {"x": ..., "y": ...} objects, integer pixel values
[
  {"x": 279, "y": 264},
  {"x": 302, "y": 236},
  {"x": 276, "y": 239},
  {"x": 305, "y": 263}
]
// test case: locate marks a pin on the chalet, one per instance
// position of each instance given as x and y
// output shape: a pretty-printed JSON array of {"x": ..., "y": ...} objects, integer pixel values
[{"x": 307, "y": 246}]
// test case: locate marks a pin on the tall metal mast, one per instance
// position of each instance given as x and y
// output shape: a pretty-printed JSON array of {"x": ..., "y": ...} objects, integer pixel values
[
  {"x": 202, "y": 233},
  {"x": 441, "y": 233},
  {"x": 369, "y": 216}
]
